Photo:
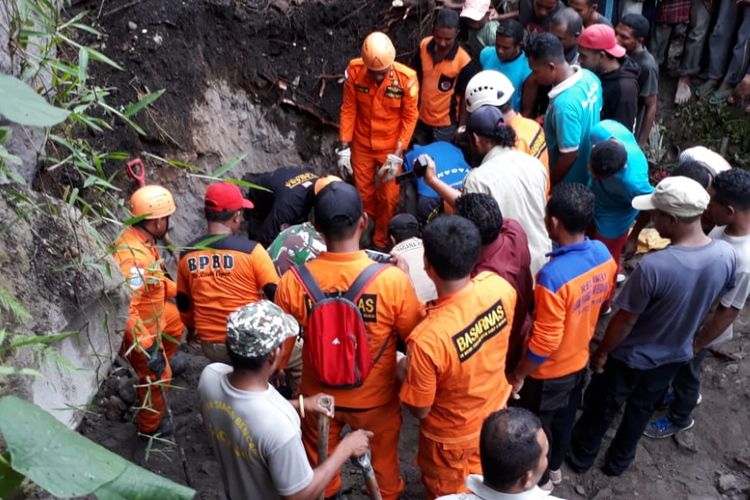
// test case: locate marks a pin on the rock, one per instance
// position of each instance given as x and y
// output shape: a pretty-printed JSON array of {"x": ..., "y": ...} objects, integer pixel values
[
  {"x": 686, "y": 441},
  {"x": 733, "y": 369},
  {"x": 210, "y": 468},
  {"x": 603, "y": 494},
  {"x": 580, "y": 490},
  {"x": 126, "y": 391},
  {"x": 114, "y": 408},
  {"x": 728, "y": 482},
  {"x": 158, "y": 39},
  {"x": 39, "y": 281},
  {"x": 132, "y": 26}
]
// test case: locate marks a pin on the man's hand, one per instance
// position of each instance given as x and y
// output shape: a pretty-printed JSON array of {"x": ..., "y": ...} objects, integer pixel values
[
  {"x": 344, "y": 158},
  {"x": 430, "y": 173},
  {"x": 516, "y": 383},
  {"x": 156, "y": 362},
  {"x": 400, "y": 262},
  {"x": 598, "y": 359},
  {"x": 357, "y": 443},
  {"x": 320, "y": 403},
  {"x": 390, "y": 169}
]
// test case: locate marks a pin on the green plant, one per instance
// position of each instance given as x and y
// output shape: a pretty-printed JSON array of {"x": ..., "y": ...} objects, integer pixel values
[{"x": 66, "y": 464}]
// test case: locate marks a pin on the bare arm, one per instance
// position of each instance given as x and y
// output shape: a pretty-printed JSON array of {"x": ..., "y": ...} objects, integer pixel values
[
  {"x": 354, "y": 444},
  {"x": 563, "y": 165},
  {"x": 445, "y": 191},
  {"x": 618, "y": 330},
  {"x": 714, "y": 325},
  {"x": 528, "y": 96},
  {"x": 648, "y": 119},
  {"x": 631, "y": 244}
]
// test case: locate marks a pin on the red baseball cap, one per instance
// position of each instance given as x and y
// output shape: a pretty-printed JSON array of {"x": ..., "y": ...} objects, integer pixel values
[
  {"x": 601, "y": 37},
  {"x": 225, "y": 196}
]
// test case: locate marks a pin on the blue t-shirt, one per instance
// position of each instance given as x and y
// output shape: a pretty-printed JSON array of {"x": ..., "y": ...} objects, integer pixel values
[
  {"x": 613, "y": 212},
  {"x": 517, "y": 71},
  {"x": 574, "y": 108},
  {"x": 450, "y": 165},
  {"x": 671, "y": 291}
]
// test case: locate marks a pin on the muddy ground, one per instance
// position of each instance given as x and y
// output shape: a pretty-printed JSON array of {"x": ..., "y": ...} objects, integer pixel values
[
  {"x": 711, "y": 461},
  {"x": 276, "y": 52}
]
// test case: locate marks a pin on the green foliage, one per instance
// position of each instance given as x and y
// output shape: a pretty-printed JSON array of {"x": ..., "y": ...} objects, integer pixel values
[
  {"x": 66, "y": 464},
  {"x": 9, "y": 305},
  {"x": 20, "y": 104}
]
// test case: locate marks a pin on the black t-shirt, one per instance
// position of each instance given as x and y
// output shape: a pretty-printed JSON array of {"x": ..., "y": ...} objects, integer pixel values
[
  {"x": 533, "y": 23},
  {"x": 288, "y": 202}
]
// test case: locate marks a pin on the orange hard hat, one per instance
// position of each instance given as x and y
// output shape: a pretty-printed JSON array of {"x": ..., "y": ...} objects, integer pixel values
[
  {"x": 323, "y": 182},
  {"x": 378, "y": 52},
  {"x": 153, "y": 202}
]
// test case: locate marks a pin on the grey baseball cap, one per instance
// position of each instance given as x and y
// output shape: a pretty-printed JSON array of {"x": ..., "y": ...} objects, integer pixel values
[{"x": 257, "y": 329}]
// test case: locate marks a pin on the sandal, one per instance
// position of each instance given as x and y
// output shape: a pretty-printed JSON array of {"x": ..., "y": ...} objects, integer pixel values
[
  {"x": 706, "y": 88},
  {"x": 719, "y": 98}
]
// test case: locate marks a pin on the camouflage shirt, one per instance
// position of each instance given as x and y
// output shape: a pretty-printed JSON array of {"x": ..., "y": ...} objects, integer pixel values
[{"x": 295, "y": 245}]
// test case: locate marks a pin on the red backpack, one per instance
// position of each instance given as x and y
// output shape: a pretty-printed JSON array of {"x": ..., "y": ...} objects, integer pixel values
[{"x": 335, "y": 337}]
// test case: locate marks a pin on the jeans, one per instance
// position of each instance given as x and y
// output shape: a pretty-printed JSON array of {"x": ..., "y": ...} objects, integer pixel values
[
  {"x": 640, "y": 391},
  {"x": 426, "y": 134},
  {"x": 700, "y": 19},
  {"x": 727, "y": 64},
  {"x": 555, "y": 402},
  {"x": 686, "y": 386},
  {"x": 661, "y": 34}
]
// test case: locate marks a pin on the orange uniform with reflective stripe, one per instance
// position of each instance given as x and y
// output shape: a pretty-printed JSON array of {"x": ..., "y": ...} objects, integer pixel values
[
  {"x": 439, "y": 83},
  {"x": 531, "y": 140},
  {"x": 569, "y": 294},
  {"x": 141, "y": 264},
  {"x": 389, "y": 307},
  {"x": 150, "y": 314},
  {"x": 379, "y": 116},
  {"x": 375, "y": 119},
  {"x": 456, "y": 367},
  {"x": 215, "y": 281}
]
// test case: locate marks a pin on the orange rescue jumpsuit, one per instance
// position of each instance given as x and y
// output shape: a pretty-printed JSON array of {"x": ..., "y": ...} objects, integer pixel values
[
  {"x": 150, "y": 314},
  {"x": 376, "y": 119}
]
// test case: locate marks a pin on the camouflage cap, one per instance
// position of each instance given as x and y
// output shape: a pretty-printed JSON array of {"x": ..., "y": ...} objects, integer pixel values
[{"x": 257, "y": 329}]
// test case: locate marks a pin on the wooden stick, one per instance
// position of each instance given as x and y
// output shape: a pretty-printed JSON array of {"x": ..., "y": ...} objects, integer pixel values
[{"x": 323, "y": 428}]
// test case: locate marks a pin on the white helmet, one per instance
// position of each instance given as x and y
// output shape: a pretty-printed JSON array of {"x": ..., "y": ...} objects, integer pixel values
[{"x": 488, "y": 88}]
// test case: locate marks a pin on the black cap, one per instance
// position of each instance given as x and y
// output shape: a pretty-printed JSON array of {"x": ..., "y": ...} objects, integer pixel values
[
  {"x": 403, "y": 223},
  {"x": 485, "y": 121},
  {"x": 337, "y": 204}
]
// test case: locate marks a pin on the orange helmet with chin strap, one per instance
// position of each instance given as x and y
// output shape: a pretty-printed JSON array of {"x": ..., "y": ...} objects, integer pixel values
[
  {"x": 378, "y": 52},
  {"x": 153, "y": 202}
]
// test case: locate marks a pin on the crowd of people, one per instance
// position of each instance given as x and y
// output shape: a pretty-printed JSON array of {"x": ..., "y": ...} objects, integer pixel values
[{"x": 498, "y": 183}]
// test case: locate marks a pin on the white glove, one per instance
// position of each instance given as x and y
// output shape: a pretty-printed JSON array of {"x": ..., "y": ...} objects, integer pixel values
[
  {"x": 390, "y": 169},
  {"x": 345, "y": 160}
]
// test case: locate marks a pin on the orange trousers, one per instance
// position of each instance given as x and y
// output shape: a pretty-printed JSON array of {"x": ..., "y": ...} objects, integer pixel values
[
  {"x": 383, "y": 421},
  {"x": 379, "y": 200},
  {"x": 445, "y": 465},
  {"x": 148, "y": 391}
]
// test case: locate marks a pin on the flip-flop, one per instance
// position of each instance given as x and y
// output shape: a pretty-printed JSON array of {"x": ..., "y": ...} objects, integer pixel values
[
  {"x": 719, "y": 98},
  {"x": 705, "y": 88}
]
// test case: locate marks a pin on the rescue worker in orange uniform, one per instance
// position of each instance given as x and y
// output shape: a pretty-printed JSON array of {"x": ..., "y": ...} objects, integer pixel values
[
  {"x": 390, "y": 309},
  {"x": 378, "y": 116},
  {"x": 154, "y": 329},
  {"x": 443, "y": 71},
  {"x": 455, "y": 363}
]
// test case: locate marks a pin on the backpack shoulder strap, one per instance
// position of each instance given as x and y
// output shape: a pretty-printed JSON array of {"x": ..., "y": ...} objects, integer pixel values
[
  {"x": 363, "y": 280},
  {"x": 305, "y": 278}
]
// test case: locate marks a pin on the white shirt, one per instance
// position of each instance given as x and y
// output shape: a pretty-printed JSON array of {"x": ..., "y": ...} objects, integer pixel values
[
  {"x": 518, "y": 182},
  {"x": 412, "y": 250},
  {"x": 480, "y": 491},
  {"x": 735, "y": 297}
]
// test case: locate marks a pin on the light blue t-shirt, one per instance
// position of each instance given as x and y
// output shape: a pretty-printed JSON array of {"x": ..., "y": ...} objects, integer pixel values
[
  {"x": 517, "y": 71},
  {"x": 613, "y": 212},
  {"x": 574, "y": 108},
  {"x": 450, "y": 165}
]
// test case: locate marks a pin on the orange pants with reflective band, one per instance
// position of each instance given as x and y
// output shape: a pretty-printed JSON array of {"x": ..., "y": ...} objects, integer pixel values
[
  {"x": 148, "y": 392},
  {"x": 445, "y": 466},
  {"x": 379, "y": 201},
  {"x": 385, "y": 423}
]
